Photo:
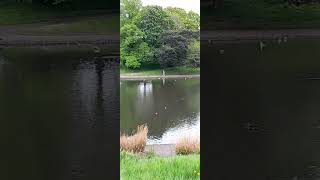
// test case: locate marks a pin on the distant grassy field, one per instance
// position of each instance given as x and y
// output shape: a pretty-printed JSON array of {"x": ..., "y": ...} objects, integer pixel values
[
  {"x": 76, "y": 21},
  {"x": 182, "y": 70},
  {"x": 99, "y": 24},
  {"x": 159, "y": 168},
  {"x": 261, "y": 14},
  {"x": 24, "y": 13}
]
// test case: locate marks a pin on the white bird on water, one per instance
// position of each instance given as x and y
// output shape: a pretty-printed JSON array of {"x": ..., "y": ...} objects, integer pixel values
[{"x": 262, "y": 45}]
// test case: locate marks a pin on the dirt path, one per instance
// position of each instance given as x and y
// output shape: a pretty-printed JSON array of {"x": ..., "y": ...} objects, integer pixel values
[
  {"x": 141, "y": 77},
  {"x": 253, "y": 35}
]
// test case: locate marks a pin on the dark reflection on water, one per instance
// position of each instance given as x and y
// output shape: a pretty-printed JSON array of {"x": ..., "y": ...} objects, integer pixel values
[
  {"x": 58, "y": 112},
  {"x": 265, "y": 113},
  {"x": 170, "y": 108}
]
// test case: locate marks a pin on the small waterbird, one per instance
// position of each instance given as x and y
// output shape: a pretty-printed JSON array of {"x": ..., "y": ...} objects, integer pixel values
[
  {"x": 96, "y": 49},
  {"x": 279, "y": 40},
  {"x": 285, "y": 39}
]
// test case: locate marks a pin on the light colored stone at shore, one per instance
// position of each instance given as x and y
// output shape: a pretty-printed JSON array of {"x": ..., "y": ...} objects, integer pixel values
[{"x": 161, "y": 149}]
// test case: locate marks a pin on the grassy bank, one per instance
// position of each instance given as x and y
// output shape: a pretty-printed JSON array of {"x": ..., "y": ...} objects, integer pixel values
[
  {"x": 157, "y": 71},
  {"x": 98, "y": 24},
  {"x": 16, "y": 13},
  {"x": 134, "y": 166},
  {"x": 64, "y": 20},
  {"x": 261, "y": 14}
]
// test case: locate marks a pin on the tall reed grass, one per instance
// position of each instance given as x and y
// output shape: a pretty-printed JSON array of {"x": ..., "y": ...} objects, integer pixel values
[
  {"x": 136, "y": 142},
  {"x": 188, "y": 145}
]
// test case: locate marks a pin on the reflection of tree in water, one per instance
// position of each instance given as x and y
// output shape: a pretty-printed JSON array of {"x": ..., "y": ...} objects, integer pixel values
[
  {"x": 51, "y": 102},
  {"x": 98, "y": 101},
  {"x": 161, "y": 106}
]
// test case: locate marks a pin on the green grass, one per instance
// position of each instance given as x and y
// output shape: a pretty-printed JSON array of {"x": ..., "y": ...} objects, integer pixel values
[
  {"x": 134, "y": 167},
  {"x": 80, "y": 21},
  {"x": 99, "y": 24},
  {"x": 23, "y": 13},
  {"x": 182, "y": 70},
  {"x": 261, "y": 14}
]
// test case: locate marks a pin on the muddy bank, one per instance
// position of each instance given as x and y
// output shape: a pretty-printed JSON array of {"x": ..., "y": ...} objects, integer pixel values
[{"x": 59, "y": 40}]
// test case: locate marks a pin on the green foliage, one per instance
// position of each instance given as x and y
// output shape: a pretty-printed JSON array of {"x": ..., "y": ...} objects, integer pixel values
[
  {"x": 130, "y": 8},
  {"x": 145, "y": 54},
  {"x": 173, "y": 50},
  {"x": 153, "y": 36},
  {"x": 153, "y": 21},
  {"x": 193, "y": 56},
  {"x": 183, "y": 19},
  {"x": 132, "y": 62},
  {"x": 134, "y": 51}
]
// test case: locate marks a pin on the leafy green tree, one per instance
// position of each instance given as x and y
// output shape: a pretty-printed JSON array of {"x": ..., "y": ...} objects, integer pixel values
[
  {"x": 132, "y": 62},
  {"x": 174, "y": 49},
  {"x": 134, "y": 51},
  {"x": 154, "y": 21},
  {"x": 193, "y": 56},
  {"x": 193, "y": 21},
  {"x": 129, "y": 9},
  {"x": 183, "y": 19},
  {"x": 152, "y": 35}
]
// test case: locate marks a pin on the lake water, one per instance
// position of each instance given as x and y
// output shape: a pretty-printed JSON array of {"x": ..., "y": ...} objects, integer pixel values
[
  {"x": 265, "y": 109},
  {"x": 170, "y": 108},
  {"x": 58, "y": 111}
]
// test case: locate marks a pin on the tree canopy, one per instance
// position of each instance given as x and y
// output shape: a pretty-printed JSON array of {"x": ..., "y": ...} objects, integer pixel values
[{"x": 152, "y": 35}]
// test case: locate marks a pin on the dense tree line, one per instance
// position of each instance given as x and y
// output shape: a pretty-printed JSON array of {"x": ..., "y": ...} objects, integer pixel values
[{"x": 156, "y": 36}]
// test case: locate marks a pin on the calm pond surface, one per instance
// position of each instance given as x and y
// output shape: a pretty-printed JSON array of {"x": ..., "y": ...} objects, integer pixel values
[
  {"x": 170, "y": 108},
  {"x": 58, "y": 111},
  {"x": 265, "y": 113}
]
